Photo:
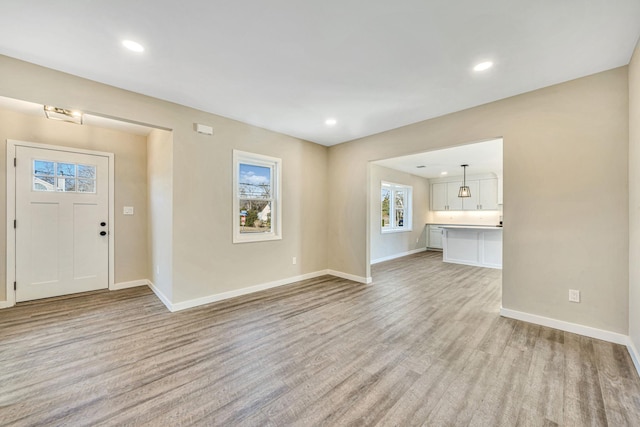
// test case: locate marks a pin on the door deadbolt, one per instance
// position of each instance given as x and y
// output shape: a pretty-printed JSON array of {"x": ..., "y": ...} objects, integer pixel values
[
  {"x": 103, "y": 223},
  {"x": 103, "y": 233}
]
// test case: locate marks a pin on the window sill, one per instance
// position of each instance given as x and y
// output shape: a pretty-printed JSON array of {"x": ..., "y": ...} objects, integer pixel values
[
  {"x": 396, "y": 230},
  {"x": 243, "y": 238}
]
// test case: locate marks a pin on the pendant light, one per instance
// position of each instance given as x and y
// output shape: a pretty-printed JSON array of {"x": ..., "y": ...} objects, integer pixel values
[{"x": 464, "y": 190}]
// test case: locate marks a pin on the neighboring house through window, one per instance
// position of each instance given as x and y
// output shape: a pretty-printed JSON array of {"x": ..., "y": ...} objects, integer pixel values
[
  {"x": 257, "y": 207},
  {"x": 396, "y": 207}
]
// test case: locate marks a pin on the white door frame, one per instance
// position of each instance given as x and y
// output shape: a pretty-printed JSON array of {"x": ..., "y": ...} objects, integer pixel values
[{"x": 11, "y": 210}]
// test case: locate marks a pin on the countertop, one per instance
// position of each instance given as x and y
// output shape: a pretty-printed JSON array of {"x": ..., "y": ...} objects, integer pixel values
[
  {"x": 472, "y": 227},
  {"x": 463, "y": 225}
]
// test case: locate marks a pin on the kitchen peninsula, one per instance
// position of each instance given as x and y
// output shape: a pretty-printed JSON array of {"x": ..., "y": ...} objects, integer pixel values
[{"x": 472, "y": 245}]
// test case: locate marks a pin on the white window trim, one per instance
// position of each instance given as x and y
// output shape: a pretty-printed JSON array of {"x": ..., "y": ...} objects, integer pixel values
[
  {"x": 276, "y": 187},
  {"x": 408, "y": 210}
]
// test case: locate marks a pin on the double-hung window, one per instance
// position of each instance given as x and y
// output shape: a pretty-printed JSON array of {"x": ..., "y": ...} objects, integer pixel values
[
  {"x": 395, "y": 208},
  {"x": 257, "y": 206}
]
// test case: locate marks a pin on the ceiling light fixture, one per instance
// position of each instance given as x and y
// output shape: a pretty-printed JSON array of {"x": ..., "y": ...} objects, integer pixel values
[
  {"x": 62, "y": 114},
  {"x": 464, "y": 190},
  {"x": 483, "y": 66},
  {"x": 133, "y": 46},
  {"x": 330, "y": 122},
  {"x": 443, "y": 173}
]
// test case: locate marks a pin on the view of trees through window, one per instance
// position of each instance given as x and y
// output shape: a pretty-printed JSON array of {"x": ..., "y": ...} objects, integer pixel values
[
  {"x": 63, "y": 177},
  {"x": 395, "y": 202},
  {"x": 255, "y": 198}
]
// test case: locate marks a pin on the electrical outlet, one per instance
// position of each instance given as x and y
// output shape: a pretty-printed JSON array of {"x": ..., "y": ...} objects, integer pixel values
[
  {"x": 294, "y": 261},
  {"x": 574, "y": 295},
  {"x": 127, "y": 210}
]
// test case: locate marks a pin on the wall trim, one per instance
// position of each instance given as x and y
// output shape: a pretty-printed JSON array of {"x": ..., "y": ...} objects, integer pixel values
[
  {"x": 6, "y": 304},
  {"x": 183, "y": 305},
  {"x": 575, "y": 328},
  {"x": 161, "y": 296},
  {"x": 399, "y": 255},
  {"x": 127, "y": 285},
  {"x": 635, "y": 356},
  {"x": 359, "y": 279},
  {"x": 243, "y": 291}
]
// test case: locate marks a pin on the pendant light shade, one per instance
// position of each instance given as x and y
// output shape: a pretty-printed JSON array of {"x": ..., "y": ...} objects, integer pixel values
[{"x": 464, "y": 190}]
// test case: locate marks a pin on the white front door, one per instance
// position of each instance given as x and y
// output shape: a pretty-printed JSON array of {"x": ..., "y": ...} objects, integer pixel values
[{"x": 62, "y": 213}]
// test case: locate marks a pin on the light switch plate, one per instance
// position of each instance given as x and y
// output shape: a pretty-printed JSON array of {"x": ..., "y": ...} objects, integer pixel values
[
  {"x": 574, "y": 295},
  {"x": 127, "y": 210}
]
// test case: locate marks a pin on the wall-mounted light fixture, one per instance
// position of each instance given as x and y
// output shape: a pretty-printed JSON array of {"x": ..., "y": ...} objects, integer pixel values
[
  {"x": 464, "y": 190},
  {"x": 62, "y": 114}
]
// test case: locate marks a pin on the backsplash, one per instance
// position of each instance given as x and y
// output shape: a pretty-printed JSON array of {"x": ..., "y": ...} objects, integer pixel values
[{"x": 464, "y": 217}]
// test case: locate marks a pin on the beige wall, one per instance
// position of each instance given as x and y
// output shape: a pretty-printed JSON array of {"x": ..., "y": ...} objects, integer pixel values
[
  {"x": 634, "y": 198},
  {"x": 205, "y": 262},
  {"x": 130, "y": 182},
  {"x": 565, "y": 190},
  {"x": 160, "y": 212},
  {"x": 565, "y": 194},
  {"x": 390, "y": 244},
  {"x": 204, "y": 257}
]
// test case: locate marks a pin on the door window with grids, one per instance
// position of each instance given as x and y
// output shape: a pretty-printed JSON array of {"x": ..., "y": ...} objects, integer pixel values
[{"x": 63, "y": 177}]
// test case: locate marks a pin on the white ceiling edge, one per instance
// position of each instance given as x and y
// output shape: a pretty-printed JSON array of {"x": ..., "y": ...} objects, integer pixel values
[{"x": 482, "y": 157}]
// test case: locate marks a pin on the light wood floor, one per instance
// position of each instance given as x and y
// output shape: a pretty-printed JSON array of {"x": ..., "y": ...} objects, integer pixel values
[{"x": 423, "y": 345}]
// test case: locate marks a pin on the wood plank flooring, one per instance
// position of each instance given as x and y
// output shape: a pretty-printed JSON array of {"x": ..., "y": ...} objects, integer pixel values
[{"x": 423, "y": 345}]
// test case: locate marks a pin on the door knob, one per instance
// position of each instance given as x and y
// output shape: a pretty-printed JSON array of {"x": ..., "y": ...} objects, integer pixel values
[
  {"x": 103, "y": 223},
  {"x": 103, "y": 233}
]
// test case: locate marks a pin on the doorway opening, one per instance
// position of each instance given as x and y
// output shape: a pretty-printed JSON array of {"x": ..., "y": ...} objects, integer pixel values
[
  {"x": 139, "y": 194},
  {"x": 435, "y": 178}
]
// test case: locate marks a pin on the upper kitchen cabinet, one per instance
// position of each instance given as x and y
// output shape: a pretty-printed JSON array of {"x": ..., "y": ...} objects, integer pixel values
[
  {"x": 444, "y": 196},
  {"x": 488, "y": 194},
  {"x": 484, "y": 195}
]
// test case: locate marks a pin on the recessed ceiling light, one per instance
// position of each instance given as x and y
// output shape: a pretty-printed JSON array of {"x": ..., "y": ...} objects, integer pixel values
[
  {"x": 443, "y": 173},
  {"x": 483, "y": 66},
  {"x": 330, "y": 122},
  {"x": 133, "y": 46}
]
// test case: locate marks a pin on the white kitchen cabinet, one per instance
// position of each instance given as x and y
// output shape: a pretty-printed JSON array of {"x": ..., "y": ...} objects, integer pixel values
[
  {"x": 444, "y": 196},
  {"x": 472, "y": 245},
  {"x": 454, "y": 203},
  {"x": 435, "y": 237},
  {"x": 484, "y": 195},
  {"x": 439, "y": 196},
  {"x": 471, "y": 203},
  {"x": 488, "y": 194}
]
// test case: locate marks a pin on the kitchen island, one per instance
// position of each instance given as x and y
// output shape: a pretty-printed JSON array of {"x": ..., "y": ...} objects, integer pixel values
[{"x": 476, "y": 245}]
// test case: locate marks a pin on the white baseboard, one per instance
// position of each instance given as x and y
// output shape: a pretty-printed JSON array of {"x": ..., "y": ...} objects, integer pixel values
[
  {"x": 635, "y": 356},
  {"x": 359, "y": 279},
  {"x": 400, "y": 255},
  {"x": 6, "y": 304},
  {"x": 575, "y": 328},
  {"x": 161, "y": 296},
  {"x": 244, "y": 291},
  {"x": 127, "y": 285}
]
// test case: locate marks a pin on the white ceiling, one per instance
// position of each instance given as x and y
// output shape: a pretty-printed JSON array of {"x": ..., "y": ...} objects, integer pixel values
[
  {"x": 482, "y": 157},
  {"x": 288, "y": 65}
]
